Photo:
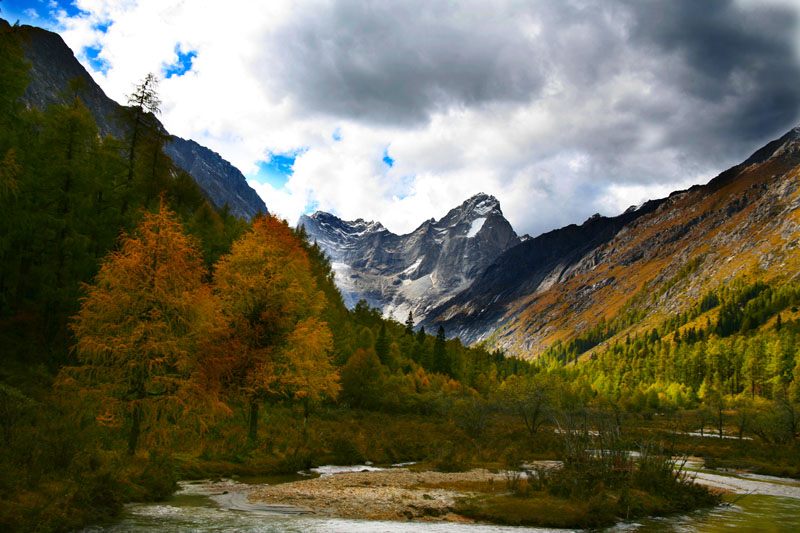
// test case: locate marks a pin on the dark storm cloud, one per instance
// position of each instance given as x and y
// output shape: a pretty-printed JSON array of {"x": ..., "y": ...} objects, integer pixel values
[
  {"x": 626, "y": 95},
  {"x": 396, "y": 62},
  {"x": 715, "y": 37},
  {"x": 728, "y": 73},
  {"x": 741, "y": 60}
]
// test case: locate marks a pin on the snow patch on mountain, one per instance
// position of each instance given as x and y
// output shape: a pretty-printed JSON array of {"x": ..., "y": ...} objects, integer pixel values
[
  {"x": 485, "y": 206},
  {"x": 477, "y": 224}
]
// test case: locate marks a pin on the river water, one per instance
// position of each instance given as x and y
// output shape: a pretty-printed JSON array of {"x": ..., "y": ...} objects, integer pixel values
[{"x": 759, "y": 503}]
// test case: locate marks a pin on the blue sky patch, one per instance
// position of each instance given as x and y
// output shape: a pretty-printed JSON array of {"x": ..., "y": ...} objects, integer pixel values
[
  {"x": 66, "y": 5},
  {"x": 386, "y": 159},
  {"x": 278, "y": 169},
  {"x": 182, "y": 65},
  {"x": 337, "y": 134},
  {"x": 43, "y": 13},
  {"x": 92, "y": 54},
  {"x": 37, "y": 12}
]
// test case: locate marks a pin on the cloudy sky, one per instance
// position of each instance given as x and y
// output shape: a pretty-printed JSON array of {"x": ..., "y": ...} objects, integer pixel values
[{"x": 399, "y": 110}]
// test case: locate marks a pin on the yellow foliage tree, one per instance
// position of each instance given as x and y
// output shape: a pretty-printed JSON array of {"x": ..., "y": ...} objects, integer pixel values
[
  {"x": 139, "y": 331},
  {"x": 273, "y": 304}
]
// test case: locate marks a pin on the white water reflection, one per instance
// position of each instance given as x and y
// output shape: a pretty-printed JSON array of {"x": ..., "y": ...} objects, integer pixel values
[
  {"x": 786, "y": 488},
  {"x": 751, "y": 513},
  {"x": 713, "y": 435},
  {"x": 330, "y": 470},
  {"x": 221, "y": 507}
]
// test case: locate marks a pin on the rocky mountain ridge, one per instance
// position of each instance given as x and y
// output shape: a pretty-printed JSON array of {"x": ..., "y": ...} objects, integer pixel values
[
  {"x": 53, "y": 65},
  {"x": 655, "y": 261},
  {"x": 540, "y": 262},
  {"x": 413, "y": 272}
]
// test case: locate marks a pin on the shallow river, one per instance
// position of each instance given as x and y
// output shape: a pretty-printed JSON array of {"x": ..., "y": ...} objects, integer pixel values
[{"x": 761, "y": 503}]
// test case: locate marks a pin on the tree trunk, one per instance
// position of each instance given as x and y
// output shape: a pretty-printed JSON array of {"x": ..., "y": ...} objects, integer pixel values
[
  {"x": 524, "y": 416},
  {"x": 742, "y": 424},
  {"x": 133, "y": 436},
  {"x": 253, "y": 434},
  {"x": 131, "y": 161}
]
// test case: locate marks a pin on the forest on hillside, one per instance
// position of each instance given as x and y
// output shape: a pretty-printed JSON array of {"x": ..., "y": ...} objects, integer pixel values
[{"x": 149, "y": 336}]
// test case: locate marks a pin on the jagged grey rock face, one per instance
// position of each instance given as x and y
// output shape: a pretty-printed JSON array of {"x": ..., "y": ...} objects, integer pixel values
[
  {"x": 537, "y": 263},
  {"x": 53, "y": 65},
  {"x": 417, "y": 271},
  {"x": 222, "y": 182}
]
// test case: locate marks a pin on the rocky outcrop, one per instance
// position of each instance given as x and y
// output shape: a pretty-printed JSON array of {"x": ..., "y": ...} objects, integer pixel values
[
  {"x": 413, "y": 272},
  {"x": 222, "y": 183},
  {"x": 53, "y": 65}
]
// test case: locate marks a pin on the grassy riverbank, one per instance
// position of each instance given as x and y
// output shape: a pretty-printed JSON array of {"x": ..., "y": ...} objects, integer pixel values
[{"x": 750, "y": 453}]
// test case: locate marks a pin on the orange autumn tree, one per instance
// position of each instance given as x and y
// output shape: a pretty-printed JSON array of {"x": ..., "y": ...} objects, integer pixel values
[
  {"x": 273, "y": 304},
  {"x": 139, "y": 330}
]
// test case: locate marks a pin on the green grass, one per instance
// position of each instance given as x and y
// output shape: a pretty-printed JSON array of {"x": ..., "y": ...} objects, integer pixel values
[{"x": 537, "y": 509}]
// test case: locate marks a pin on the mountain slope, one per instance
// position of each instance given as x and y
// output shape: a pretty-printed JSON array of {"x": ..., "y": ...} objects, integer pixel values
[
  {"x": 478, "y": 311},
  {"x": 53, "y": 65},
  {"x": 413, "y": 272},
  {"x": 658, "y": 260}
]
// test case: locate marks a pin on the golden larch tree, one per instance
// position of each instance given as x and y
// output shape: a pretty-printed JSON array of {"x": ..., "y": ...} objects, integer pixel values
[
  {"x": 273, "y": 305},
  {"x": 140, "y": 329}
]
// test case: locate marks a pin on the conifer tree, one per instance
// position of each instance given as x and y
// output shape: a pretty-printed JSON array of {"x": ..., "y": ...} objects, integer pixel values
[
  {"x": 13, "y": 80},
  {"x": 410, "y": 324},
  {"x": 273, "y": 303},
  {"x": 382, "y": 345},
  {"x": 139, "y": 327},
  {"x": 69, "y": 138},
  {"x": 139, "y": 121},
  {"x": 441, "y": 363}
]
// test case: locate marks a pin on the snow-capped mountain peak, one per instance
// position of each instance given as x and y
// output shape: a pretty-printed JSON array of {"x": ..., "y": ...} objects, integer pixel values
[{"x": 413, "y": 272}]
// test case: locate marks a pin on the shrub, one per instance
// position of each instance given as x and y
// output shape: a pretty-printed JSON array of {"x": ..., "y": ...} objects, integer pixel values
[
  {"x": 345, "y": 452},
  {"x": 158, "y": 479},
  {"x": 451, "y": 459}
]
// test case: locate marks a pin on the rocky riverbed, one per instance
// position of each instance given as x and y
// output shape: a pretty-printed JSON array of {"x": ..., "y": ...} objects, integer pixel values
[{"x": 396, "y": 494}]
